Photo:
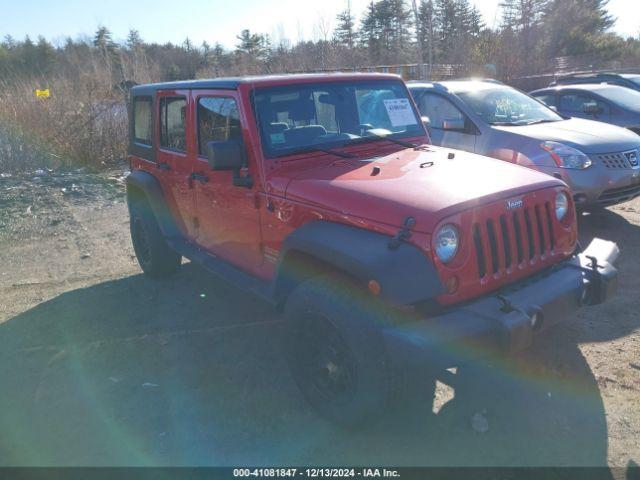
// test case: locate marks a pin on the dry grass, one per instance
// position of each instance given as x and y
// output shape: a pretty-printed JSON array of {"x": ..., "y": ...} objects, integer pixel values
[{"x": 82, "y": 123}]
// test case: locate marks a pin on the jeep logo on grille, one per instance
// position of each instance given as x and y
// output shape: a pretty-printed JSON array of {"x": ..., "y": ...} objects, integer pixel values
[
  {"x": 632, "y": 156},
  {"x": 514, "y": 204}
]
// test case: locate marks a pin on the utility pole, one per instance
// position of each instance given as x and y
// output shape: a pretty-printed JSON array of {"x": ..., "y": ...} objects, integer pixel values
[
  {"x": 419, "y": 37},
  {"x": 431, "y": 43}
]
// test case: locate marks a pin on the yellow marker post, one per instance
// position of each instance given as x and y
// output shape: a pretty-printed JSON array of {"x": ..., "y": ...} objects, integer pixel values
[{"x": 43, "y": 93}]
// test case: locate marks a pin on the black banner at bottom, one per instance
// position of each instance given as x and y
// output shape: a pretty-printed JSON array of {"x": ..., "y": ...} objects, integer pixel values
[{"x": 403, "y": 473}]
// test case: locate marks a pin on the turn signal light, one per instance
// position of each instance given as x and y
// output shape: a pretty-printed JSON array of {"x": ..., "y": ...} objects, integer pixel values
[
  {"x": 374, "y": 287},
  {"x": 452, "y": 285}
]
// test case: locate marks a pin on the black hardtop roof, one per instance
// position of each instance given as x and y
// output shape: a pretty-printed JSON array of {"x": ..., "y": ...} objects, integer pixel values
[{"x": 231, "y": 83}]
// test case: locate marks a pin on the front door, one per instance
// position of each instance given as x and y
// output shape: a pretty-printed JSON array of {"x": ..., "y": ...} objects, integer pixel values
[
  {"x": 228, "y": 217},
  {"x": 448, "y": 125},
  {"x": 584, "y": 105},
  {"x": 175, "y": 155}
]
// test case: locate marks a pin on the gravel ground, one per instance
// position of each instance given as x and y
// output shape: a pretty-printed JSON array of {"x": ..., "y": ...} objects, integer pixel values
[{"x": 101, "y": 366}]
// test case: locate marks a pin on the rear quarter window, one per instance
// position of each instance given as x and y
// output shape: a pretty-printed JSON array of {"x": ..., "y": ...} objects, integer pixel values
[{"x": 142, "y": 120}]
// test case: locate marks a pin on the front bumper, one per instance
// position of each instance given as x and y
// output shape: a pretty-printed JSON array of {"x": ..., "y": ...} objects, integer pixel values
[
  {"x": 506, "y": 322},
  {"x": 600, "y": 186}
]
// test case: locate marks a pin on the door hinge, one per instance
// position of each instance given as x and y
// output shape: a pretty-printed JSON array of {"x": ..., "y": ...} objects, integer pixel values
[{"x": 196, "y": 223}]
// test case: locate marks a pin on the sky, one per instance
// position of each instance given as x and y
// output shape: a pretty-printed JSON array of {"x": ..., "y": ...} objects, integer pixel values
[{"x": 212, "y": 20}]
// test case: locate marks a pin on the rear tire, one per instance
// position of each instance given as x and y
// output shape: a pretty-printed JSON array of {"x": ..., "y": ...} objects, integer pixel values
[
  {"x": 154, "y": 255},
  {"x": 335, "y": 349}
]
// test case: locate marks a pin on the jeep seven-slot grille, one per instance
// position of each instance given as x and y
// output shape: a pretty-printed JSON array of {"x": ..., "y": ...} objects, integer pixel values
[{"x": 513, "y": 239}]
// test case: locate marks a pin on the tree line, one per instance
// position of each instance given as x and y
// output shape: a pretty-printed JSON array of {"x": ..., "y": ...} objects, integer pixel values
[
  {"x": 84, "y": 120},
  {"x": 529, "y": 36}
]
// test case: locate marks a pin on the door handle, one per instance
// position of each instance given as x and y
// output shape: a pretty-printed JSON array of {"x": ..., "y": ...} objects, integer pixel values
[
  {"x": 198, "y": 177},
  {"x": 163, "y": 166}
]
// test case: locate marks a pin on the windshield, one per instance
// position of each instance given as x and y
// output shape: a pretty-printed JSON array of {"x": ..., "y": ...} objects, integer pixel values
[
  {"x": 625, "y": 97},
  {"x": 308, "y": 116},
  {"x": 635, "y": 80},
  {"x": 507, "y": 106}
]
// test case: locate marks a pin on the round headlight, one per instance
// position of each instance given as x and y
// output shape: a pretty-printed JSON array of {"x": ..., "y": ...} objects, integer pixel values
[
  {"x": 562, "y": 205},
  {"x": 446, "y": 243}
]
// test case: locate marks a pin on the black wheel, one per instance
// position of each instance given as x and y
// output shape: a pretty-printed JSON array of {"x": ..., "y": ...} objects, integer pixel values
[
  {"x": 335, "y": 350},
  {"x": 155, "y": 257}
]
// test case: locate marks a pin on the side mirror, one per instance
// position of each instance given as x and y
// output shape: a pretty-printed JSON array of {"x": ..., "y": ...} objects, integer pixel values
[
  {"x": 226, "y": 155},
  {"x": 453, "y": 124},
  {"x": 229, "y": 155},
  {"x": 592, "y": 109},
  {"x": 426, "y": 121}
]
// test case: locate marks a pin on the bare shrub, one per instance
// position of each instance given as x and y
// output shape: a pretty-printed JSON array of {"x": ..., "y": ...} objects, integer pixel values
[{"x": 82, "y": 123}]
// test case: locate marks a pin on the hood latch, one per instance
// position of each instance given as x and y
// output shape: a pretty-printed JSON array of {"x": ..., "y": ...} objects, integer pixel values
[{"x": 403, "y": 233}]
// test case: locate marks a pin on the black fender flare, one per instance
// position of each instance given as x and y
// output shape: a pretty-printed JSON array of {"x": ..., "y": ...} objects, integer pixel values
[
  {"x": 406, "y": 275},
  {"x": 150, "y": 187}
]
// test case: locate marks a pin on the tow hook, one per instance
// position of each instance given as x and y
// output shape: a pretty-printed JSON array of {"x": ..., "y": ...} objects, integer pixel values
[
  {"x": 536, "y": 317},
  {"x": 595, "y": 284}
]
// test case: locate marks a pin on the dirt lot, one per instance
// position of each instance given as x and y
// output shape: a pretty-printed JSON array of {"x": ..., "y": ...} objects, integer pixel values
[{"x": 101, "y": 366}]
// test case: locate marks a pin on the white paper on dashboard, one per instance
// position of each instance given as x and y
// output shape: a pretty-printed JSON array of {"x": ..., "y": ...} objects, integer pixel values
[{"x": 400, "y": 112}]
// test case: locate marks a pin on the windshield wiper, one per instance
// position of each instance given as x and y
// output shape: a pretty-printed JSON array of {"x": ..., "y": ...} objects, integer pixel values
[
  {"x": 313, "y": 148},
  {"x": 377, "y": 136},
  {"x": 536, "y": 122},
  {"x": 507, "y": 124},
  {"x": 520, "y": 123}
]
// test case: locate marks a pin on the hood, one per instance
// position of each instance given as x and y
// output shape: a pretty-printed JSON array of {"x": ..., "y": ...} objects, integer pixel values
[
  {"x": 424, "y": 184},
  {"x": 587, "y": 136}
]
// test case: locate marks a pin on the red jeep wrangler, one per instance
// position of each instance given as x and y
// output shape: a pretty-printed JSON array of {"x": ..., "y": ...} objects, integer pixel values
[{"x": 321, "y": 194}]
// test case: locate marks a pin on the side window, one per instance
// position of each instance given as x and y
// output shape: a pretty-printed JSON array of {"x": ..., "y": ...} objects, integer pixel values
[
  {"x": 548, "y": 99},
  {"x": 173, "y": 112},
  {"x": 218, "y": 120},
  {"x": 439, "y": 110},
  {"x": 577, "y": 103},
  {"x": 142, "y": 120}
]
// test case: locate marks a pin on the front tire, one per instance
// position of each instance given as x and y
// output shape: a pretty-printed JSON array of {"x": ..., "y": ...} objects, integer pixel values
[
  {"x": 335, "y": 349},
  {"x": 154, "y": 255}
]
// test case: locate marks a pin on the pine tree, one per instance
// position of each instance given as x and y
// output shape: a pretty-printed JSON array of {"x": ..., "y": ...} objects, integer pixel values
[
  {"x": 250, "y": 43},
  {"x": 573, "y": 27},
  {"x": 45, "y": 56},
  {"x": 345, "y": 31},
  {"x": 8, "y": 42},
  {"x": 385, "y": 30},
  {"x": 134, "y": 40},
  {"x": 187, "y": 45},
  {"x": 522, "y": 15},
  {"x": 476, "y": 22},
  {"x": 426, "y": 30},
  {"x": 103, "y": 42},
  {"x": 455, "y": 25},
  {"x": 369, "y": 34}
]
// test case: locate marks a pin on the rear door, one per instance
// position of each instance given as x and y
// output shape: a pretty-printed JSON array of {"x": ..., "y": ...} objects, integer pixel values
[
  {"x": 176, "y": 153},
  {"x": 228, "y": 217}
]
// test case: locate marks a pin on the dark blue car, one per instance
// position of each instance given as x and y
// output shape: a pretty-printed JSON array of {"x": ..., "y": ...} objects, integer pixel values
[{"x": 601, "y": 102}]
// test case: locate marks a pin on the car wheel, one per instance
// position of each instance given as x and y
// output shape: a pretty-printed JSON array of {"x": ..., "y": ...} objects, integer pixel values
[
  {"x": 335, "y": 350},
  {"x": 154, "y": 255}
]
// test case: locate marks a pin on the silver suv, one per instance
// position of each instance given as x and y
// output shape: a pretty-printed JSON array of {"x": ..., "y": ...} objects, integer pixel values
[{"x": 599, "y": 162}]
